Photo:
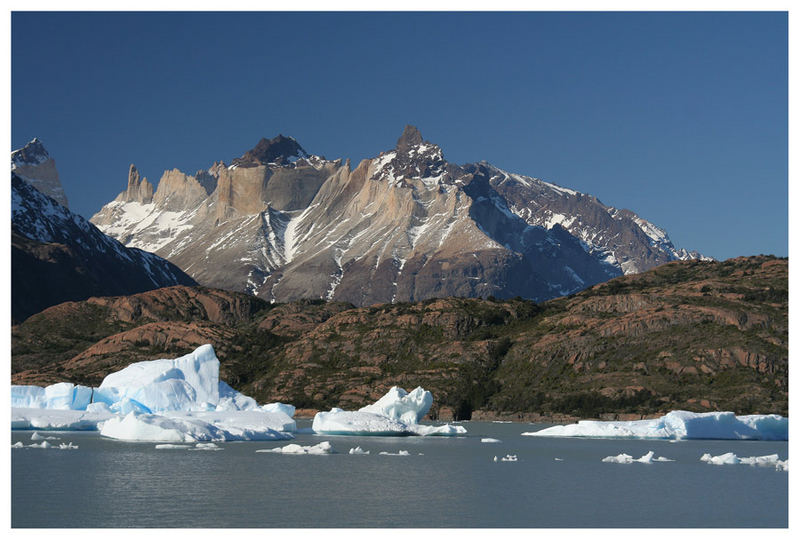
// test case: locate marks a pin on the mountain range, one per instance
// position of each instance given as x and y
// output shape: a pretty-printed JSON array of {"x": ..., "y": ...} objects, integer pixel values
[
  {"x": 283, "y": 224},
  {"x": 57, "y": 255}
]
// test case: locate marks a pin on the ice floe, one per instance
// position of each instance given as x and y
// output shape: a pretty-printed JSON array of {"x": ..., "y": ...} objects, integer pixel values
[
  {"x": 399, "y": 453},
  {"x": 490, "y": 440},
  {"x": 679, "y": 425},
  {"x": 730, "y": 458},
  {"x": 319, "y": 449},
  {"x": 396, "y": 413},
  {"x": 36, "y": 437},
  {"x": 649, "y": 457},
  {"x": 45, "y": 445}
]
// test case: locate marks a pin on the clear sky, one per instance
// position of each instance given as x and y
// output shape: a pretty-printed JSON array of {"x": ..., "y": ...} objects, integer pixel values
[{"x": 680, "y": 117}]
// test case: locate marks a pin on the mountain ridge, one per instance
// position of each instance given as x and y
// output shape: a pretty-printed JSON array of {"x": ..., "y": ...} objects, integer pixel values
[
  {"x": 405, "y": 225},
  {"x": 57, "y": 255}
]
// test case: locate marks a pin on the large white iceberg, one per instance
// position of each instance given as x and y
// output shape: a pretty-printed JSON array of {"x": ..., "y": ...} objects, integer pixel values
[
  {"x": 680, "y": 425},
  {"x": 396, "y": 413},
  {"x": 170, "y": 400}
]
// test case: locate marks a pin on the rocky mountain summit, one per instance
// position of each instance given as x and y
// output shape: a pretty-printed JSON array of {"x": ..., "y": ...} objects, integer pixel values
[
  {"x": 284, "y": 224},
  {"x": 57, "y": 255},
  {"x": 33, "y": 164}
]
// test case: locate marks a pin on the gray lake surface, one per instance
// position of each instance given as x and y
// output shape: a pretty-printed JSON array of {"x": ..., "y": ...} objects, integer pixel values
[{"x": 454, "y": 483}]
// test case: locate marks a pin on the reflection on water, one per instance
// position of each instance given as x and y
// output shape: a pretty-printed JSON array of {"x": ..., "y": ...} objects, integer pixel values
[{"x": 454, "y": 483}]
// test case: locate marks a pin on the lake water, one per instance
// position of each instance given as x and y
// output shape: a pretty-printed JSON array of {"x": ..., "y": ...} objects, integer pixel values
[{"x": 455, "y": 483}]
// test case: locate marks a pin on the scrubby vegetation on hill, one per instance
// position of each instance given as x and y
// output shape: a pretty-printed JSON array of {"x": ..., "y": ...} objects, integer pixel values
[{"x": 686, "y": 335}]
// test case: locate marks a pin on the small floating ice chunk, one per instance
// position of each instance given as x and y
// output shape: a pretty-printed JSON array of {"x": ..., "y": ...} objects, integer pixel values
[
  {"x": 18, "y": 444},
  {"x": 319, "y": 449},
  {"x": 205, "y": 446},
  {"x": 36, "y": 437},
  {"x": 43, "y": 444},
  {"x": 358, "y": 451},
  {"x": 649, "y": 457},
  {"x": 68, "y": 446},
  {"x": 490, "y": 440},
  {"x": 495, "y": 459},
  {"x": 509, "y": 457},
  {"x": 169, "y": 446},
  {"x": 558, "y": 459},
  {"x": 399, "y": 453}
]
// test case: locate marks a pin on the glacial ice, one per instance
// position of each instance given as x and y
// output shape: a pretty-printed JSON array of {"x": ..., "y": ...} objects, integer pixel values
[
  {"x": 679, "y": 425},
  {"x": 405, "y": 407},
  {"x": 319, "y": 449},
  {"x": 178, "y": 400},
  {"x": 396, "y": 413},
  {"x": 490, "y": 440},
  {"x": 399, "y": 453},
  {"x": 358, "y": 451},
  {"x": 649, "y": 457},
  {"x": 730, "y": 458}
]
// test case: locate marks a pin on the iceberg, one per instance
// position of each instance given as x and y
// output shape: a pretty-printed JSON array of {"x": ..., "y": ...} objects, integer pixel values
[
  {"x": 399, "y": 453},
  {"x": 730, "y": 458},
  {"x": 625, "y": 458},
  {"x": 396, "y": 413},
  {"x": 405, "y": 407},
  {"x": 63, "y": 396},
  {"x": 680, "y": 425},
  {"x": 318, "y": 449},
  {"x": 169, "y": 401},
  {"x": 490, "y": 440},
  {"x": 358, "y": 451}
]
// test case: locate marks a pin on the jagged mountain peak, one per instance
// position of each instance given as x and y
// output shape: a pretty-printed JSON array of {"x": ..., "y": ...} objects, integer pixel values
[
  {"x": 403, "y": 225},
  {"x": 413, "y": 157},
  {"x": 34, "y": 165},
  {"x": 279, "y": 150},
  {"x": 32, "y": 153},
  {"x": 410, "y": 138}
]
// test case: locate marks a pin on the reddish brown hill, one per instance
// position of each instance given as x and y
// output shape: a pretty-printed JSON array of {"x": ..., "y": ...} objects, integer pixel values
[{"x": 691, "y": 335}]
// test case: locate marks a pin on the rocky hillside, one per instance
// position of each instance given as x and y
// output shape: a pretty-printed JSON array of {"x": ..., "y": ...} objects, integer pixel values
[
  {"x": 407, "y": 225},
  {"x": 692, "y": 335},
  {"x": 57, "y": 255}
]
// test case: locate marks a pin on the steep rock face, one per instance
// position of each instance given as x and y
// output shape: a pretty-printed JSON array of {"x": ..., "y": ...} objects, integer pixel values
[
  {"x": 406, "y": 225},
  {"x": 33, "y": 164},
  {"x": 57, "y": 256}
]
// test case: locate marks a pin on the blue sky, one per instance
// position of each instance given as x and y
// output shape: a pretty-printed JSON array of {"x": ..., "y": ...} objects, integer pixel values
[{"x": 680, "y": 117}]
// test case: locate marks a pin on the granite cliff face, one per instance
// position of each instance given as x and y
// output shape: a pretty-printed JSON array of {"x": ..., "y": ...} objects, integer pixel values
[
  {"x": 33, "y": 164},
  {"x": 406, "y": 225}
]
